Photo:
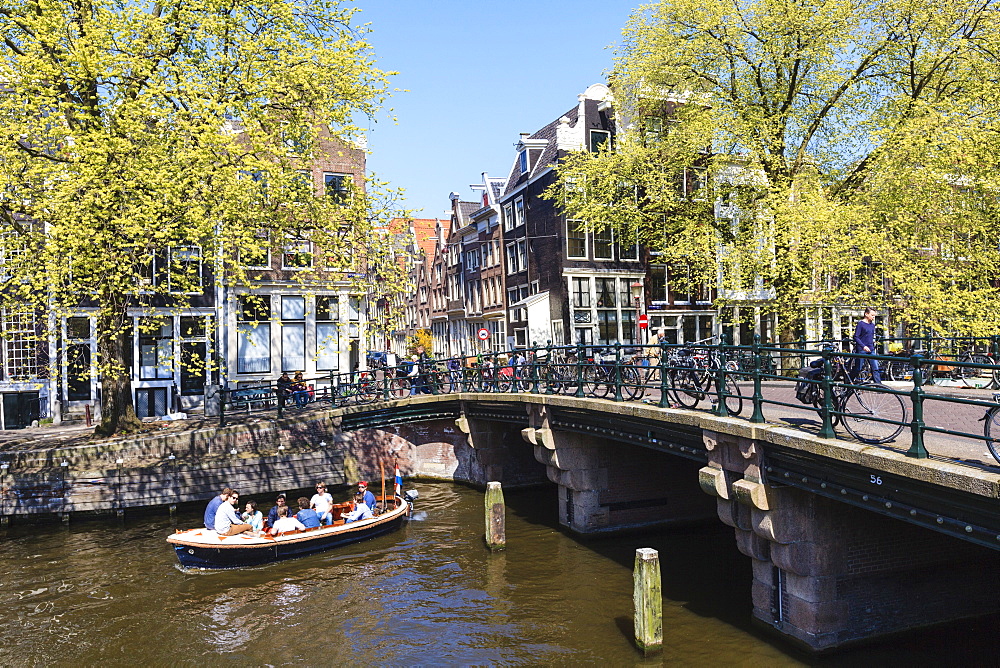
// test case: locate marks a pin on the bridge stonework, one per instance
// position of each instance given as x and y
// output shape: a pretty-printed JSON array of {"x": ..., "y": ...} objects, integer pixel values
[
  {"x": 605, "y": 486},
  {"x": 827, "y": 574}
]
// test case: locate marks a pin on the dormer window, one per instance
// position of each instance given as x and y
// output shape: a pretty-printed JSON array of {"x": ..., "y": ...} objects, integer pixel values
[
  {"x": 598, "y": 138},
  {"x": 523, "y": 160}
]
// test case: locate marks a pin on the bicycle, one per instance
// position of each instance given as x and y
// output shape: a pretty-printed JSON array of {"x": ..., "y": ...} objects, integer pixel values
[
  {"x": 869, "y": 411},
  {"x": 992, "y": 426},
  {"x": 693, "y": 377},
  {"x": 603, "y": 372}
]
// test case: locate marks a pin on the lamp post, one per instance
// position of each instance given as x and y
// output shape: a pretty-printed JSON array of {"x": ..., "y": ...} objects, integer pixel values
[{"x": 636, "y": 289}]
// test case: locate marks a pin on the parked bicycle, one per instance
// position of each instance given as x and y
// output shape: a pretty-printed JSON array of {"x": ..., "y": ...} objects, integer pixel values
[
  {"x": 992, "y": 428},
  {"x": 693, "y": 376},
  {"x": 603, "y": 373},
  {"x": 870, "y": 411}
]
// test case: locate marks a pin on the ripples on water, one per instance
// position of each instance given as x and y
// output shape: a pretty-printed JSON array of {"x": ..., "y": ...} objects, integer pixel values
[{"x": 431, "y": 594}]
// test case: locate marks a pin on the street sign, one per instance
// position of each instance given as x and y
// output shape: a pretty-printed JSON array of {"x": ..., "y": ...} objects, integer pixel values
[
  {"x": 643, "y": 321},
  {"x": 483, "y": 334}
]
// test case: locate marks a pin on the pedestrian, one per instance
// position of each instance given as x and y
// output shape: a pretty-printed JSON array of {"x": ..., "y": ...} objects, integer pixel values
[{"x": 864, "y": 343}]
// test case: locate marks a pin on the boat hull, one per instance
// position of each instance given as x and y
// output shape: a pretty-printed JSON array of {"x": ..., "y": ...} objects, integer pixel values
[{"x": 204, "y": 550}]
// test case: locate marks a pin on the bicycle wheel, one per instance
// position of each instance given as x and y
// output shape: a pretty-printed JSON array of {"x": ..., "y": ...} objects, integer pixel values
[
  {"x": 398, "y": 388},
  {"x": 594, "y": 382},
  {"x": 992, "y": 432},
  {"x": 873, "y": 415},
  {"x": 367, "y": 391},
  {"x": 734, "y": 397},
  {"x": 686, "y": 389},
  {"x": 631, "y": 385},
  {"x": 976, "y": 376}
]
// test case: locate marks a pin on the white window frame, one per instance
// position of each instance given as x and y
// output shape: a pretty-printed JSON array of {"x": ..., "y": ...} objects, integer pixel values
[
  {"x": 289, "y": 249},
  {"x": 172, "y": 250},
  {"x": 573, "y": 222}
]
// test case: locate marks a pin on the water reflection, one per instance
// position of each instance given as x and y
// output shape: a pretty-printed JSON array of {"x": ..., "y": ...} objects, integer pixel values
[{"x": 431, "y": 594}]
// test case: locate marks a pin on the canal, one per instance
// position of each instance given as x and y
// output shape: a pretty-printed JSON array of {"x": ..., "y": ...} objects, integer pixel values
[{"x": 110, "y": 592}]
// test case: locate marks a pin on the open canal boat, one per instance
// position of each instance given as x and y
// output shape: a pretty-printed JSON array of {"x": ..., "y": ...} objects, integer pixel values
[{"x": 203, "y": 548}]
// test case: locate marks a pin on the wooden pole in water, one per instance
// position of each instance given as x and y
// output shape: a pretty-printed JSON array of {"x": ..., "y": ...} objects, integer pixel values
[
  {"x": 496, "y": 536},
  {"x": 648, "y": 601}
]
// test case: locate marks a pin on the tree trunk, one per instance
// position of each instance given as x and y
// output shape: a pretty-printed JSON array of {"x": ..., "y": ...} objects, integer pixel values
[{"x": 117, "y": 408}]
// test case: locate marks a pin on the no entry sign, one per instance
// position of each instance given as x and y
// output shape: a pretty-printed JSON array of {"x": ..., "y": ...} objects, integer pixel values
[
  {"x": 643, "y": 321},
  {"x": 483, "y": 333}
]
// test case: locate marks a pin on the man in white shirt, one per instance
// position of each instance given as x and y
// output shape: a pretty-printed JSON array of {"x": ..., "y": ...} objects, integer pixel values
[
  {"x": 322, "y": 503},
  {"x": 286, "y": 522},
  {"x": 227, "y": 521}
]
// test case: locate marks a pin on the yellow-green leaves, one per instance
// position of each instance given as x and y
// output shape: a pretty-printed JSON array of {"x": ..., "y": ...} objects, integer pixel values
[{"x": 848, "y": 146}]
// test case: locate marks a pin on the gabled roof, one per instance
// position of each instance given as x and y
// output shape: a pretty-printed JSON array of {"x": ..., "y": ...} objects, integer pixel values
[{"x": 549, "y": 155}]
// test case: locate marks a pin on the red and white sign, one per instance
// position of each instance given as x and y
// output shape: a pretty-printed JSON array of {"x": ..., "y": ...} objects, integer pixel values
[
  {"x": 643, "y": 321},
  {"x": 483, "y": 334}
]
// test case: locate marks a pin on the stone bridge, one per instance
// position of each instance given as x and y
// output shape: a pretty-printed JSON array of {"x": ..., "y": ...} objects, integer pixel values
[{"x": 847, "y": 541}]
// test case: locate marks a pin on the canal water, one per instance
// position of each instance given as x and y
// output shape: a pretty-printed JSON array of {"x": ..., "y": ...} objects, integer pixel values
[{"x": 111, "y": 593}]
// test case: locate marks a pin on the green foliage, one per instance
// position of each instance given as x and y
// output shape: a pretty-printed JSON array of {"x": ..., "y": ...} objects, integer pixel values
[
  {"x": 145, "y": 141},
  {"x": 848, "y": 146}
]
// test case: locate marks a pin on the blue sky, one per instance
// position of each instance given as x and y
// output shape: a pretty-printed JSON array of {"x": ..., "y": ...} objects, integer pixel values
[{"x": 478, "y": 74}]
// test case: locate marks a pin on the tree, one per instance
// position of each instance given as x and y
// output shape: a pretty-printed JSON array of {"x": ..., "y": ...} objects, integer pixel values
[
  {"x": 847, "y": 143},
  {"x": 138, "y": 135}
]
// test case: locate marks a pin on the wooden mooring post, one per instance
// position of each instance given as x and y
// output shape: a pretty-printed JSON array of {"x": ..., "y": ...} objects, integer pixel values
[
  {"x": 496, "y": 532},
  {"x": 648, "y": 601}
]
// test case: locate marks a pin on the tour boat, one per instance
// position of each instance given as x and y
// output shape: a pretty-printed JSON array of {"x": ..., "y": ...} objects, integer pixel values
[{"x": 203, "y": 548}]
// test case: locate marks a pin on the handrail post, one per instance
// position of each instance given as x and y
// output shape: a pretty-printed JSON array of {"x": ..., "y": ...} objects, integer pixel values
[
  {"x": 662, "y": 368},
  {"x": 385, "y": 382},
  {"x": 618, "y": 372},
  {"x": 549, "y": 368},
  {"x": 533, "y": 368},
  {"x": 917, "y": 425},
  {"x": 222, "y": 405},
  {"x": 281, "y": 401},
  {"x": 758, "y": 398},
  {"x": 580, "y": 352},
  {"x": 826, "y": 410},
  {"x": 720, "y": 387}
]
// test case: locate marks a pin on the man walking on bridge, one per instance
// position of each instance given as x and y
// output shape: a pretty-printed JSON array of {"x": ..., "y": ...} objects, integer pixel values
[{"x": 864, "y": 342}]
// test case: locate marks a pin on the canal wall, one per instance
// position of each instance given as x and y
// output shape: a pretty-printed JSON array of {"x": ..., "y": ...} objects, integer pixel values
[{"x": 259, "y": 458}]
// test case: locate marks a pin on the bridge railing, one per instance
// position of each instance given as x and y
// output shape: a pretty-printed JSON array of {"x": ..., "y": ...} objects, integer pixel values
[{"x": 808, "y": 385}]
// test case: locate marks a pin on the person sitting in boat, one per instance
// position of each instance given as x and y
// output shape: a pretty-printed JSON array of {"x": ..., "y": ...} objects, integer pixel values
[
  {"x": 361, "y": 510},
  {"x": 285, "y": 522},
  {"x": 369, "y": 498},
  {"x": 307, "y": 515},
  {"x": 253, "y": 517},
  {"x": 213, "y": 507},
  {"x": 322, "y": 503},
  {"x": 272, "y": 514},
  {"x": 227, "y": 522}
]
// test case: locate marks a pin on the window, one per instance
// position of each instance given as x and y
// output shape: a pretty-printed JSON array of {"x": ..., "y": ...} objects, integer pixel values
[
  {"x": 512, "y": 267},
  {"x": 658, "y": 284},
  {"x": 19, "y": 329},
  {"x": 353, "y": 315},
  {"x": 337, "y": 188},
  {"x": 185, "y": 269},
  {"x": 295, "y": 140},
  {"x": 603, "y": 241},
  {"x": 652, "y": 127},
  {"x": 302, "y": 185},
  {"x": 607, "y": 326},
  {"x": 576, "y": 240},
  {"x": 327, "y": 333},
  {"x": 518, "y": 212},
  {"x": 598, "y": 138},
  {"x": 78, "y": 328},
  {"x": 580, "y": 292},
  {"x": 292, "y": 334},
  {"x": 260, "y": 256},
  {"x": 297, "y": 254},
  {"x": 156, "y": 348},
  {"x": 628, "y": 246},
  {"x": 522, "y": 255},
  {"x": 606, "y": 292},
  {"x": 508, "y": 217},
  {"x": 253, "y": 333},
  {"x": 522, "y": 161}
]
